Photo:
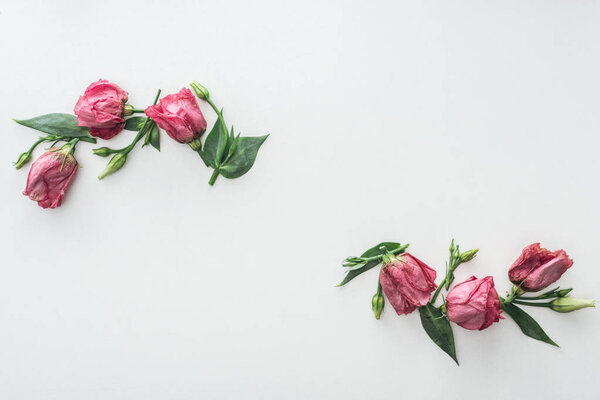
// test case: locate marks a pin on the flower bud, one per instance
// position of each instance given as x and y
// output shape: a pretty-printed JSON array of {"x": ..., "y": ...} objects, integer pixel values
[
  {"x": 101, "y": 108},
  {"x": 114, "y": 165},
  {"x": 377, "y": 304},
  {"x": 50, "y": 176},
  {"x": 407, "y": 282},
  {"x": 24, "y": 158},
  {"x": 568, "y": 304},
  {"x": 468, "y": 255},
  {"x": 200, "y": 90},
  {"x": 537, "y": 267},
  {"x": 102, "y": 151},
  {"x": 474, "y": 304},
  {"x": 179, "y": 115},
  {"x": 127, "y": 110}
]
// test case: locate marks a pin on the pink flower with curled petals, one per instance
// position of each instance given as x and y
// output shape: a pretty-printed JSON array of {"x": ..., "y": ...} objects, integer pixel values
[
  {"x": 407, "y": 283},
  {"x": 474, "y": 304},
  {"x": 179, "y": 115},
  {"x": 50, "y": 176},
  {"x": 537, "y": 267},
  {"x": 101, "y": 108}
]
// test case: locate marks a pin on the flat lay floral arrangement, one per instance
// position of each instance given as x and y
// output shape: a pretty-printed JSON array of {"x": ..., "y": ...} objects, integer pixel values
[
  {"x": 408, "y": 284},
  {"x": 103, "y": 112}
]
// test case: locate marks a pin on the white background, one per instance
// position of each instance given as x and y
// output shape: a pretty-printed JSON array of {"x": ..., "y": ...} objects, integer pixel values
[{"x": 402, "y": 121}]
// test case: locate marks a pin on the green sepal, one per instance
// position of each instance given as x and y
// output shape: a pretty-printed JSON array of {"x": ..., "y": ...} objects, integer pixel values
[
  {"x": 58, "y": 124},
  {"x": 134, "y": 123},
  {"x": 527, "y": 324},
  {"x": 372, "y": 252},
  {"x": 438, "y": 328}
]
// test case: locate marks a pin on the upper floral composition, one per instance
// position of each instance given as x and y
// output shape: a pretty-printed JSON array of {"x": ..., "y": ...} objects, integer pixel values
[{"x": 102, "y": 111}]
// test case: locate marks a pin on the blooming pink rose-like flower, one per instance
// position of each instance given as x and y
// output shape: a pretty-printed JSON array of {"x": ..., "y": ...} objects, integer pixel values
[
  {"x": 101, "y": 108},
  {"x": 537, "y": 267},
  {"x": 407, "y": 283},
  {"x": 474, "y": 303},
  {"x": 179, "y": 115},
  {"x": 49, "y": 177}
]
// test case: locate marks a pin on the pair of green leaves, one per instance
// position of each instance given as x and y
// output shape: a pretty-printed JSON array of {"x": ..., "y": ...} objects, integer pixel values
[
  {"x": 61, "y": 125},
  {"x": 229, "y": 155},
  {"x": 153, "y": 134},
  {"x": 377, "y": 250}
]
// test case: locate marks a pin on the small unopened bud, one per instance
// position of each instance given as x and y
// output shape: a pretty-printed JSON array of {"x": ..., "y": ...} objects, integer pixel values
[
  {"x": 468, "y": 255},
  {"x": 377, "y": 304},
  {"x": 128, "y": 110},
  {"x": 24, "y": 158},
  {"x": 200, "y": 90},
  {"x": 102, "y": 151},
  {"x": 568, "y": 304},
  {"x": 114, "y": 165},
  {"x": 451, "y": 246}
]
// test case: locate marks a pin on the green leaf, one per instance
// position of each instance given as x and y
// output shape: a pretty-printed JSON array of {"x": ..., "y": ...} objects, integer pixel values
[
  {"x": 243, "y": 156},
  {"x": 57, "y": 124},
  {"x": 215, "y": 144},
  {"x": 372, "y": 252},
  {"x": 528, "y": 325},
  {"x": 134, "y": 123},
  {"x": 154, "y": 136},
  {"x": 438, "y": 328}
]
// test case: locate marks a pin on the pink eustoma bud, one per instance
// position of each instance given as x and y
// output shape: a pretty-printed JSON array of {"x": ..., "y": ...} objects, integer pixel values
[
  {"x": 474, "y": 304},
  {"x": 179, "y": 115},
  {"x": 407, "y": 283},
  {"x": 101, "y": 108},
  {"x": 50, "y": 176},
  {"x": 537, "y": 267}
]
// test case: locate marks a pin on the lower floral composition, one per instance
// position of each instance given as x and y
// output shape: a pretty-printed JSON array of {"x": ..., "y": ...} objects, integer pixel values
[
  {"x": 409, "y": 284},
  {"x": 102, "y": 113}
]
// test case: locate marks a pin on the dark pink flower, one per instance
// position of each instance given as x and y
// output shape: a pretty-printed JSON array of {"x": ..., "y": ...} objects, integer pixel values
[
  {"x": 407, "y": 283},
  {"x": 537, "y": 267},
  {"x": 179, "y": 115},
  {"x": 49, "y": 177},
  {"x": 474, "y": 303},
  {"x": 101, "y": 108}
]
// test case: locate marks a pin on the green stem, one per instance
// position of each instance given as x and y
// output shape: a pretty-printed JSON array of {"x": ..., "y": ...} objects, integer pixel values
[
  {"x": 40, "y": 140},
  {"x": 145, "y": 128},
  {"x": 213, "y": 177},
  {"x": 525, "y": 303},
  {"x": 214, "y": 107},
  {"x": 138, "y": 110}
]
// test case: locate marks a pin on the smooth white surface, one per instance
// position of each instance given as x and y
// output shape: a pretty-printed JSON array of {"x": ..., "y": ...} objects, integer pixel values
[{"x": 406, "y": 121}]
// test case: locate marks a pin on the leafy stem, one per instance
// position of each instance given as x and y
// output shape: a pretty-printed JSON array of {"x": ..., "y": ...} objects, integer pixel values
[{"x": 456, "y": 258}]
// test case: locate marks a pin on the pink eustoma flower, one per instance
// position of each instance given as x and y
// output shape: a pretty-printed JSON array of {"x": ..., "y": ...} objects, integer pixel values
[
  {"x": 179, "y": 115},
  {"x": 407, "y": 283},
  {"x": 537, "y": 267},
  {"x": 101, "y": 108},
  {"x": 474, "y": 303},
  {"x": 50, "y": 176}
]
